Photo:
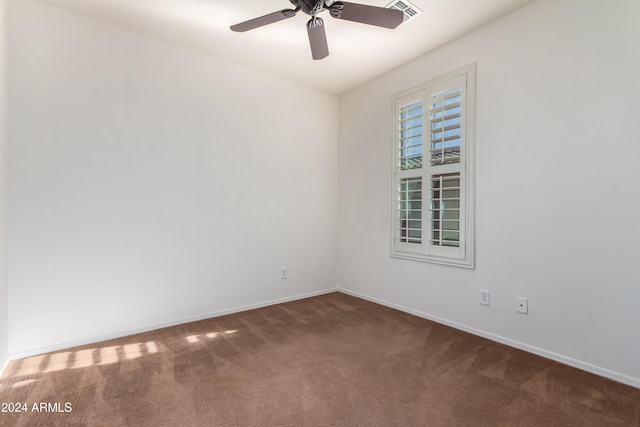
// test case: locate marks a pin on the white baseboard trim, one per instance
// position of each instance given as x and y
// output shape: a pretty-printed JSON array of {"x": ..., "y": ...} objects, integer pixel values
[
  {"x": 92, "y": 340},
  {"x": 612, "y": 375}
]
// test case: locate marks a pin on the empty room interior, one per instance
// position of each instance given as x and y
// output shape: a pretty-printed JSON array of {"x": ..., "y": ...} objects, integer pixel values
[{"x": 435, "y": 224}]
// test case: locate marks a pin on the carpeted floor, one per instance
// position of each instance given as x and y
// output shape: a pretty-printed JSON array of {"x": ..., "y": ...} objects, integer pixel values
[{"x": 331, "y": 360}]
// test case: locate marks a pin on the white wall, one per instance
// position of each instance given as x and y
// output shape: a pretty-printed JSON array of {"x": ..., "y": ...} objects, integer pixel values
[
  {"x": 557, "y": 186},
  {"x": 151, "y": 185},
  {"x": 4, "y": 287}
]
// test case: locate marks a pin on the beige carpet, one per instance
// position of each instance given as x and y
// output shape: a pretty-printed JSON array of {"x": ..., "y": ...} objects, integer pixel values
[{"x": 332, "y": 360}]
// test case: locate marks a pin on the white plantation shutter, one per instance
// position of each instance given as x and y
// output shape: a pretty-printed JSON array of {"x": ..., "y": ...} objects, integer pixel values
[
  {"x": 445, "y": 119},
  {"x": 445, "y": 210},
  {"x": 410, "y": 210},
  {"x": 410, "y": 134},
  {"x": 433, "y": 196},
  {"x": 408, "y": 194}
]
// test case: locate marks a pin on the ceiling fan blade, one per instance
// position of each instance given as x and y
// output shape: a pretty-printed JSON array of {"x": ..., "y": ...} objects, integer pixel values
[
  {"x": 264, "y": 20},
  {"x": 365, "y": 14},
  {"x": 317, "y": 38}
]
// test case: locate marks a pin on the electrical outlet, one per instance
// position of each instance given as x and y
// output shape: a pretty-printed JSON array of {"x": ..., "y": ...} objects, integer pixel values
[
  {"x": 284, "y": 273},
  {"x": 523, "y": 305},
  {"x": 484, "y": 297}
]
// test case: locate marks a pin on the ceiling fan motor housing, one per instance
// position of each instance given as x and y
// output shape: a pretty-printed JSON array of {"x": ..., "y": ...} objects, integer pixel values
[{"x": 312, "y": 7}]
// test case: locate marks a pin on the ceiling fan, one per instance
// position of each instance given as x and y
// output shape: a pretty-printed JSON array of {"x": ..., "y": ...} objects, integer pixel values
[{"x": 365, "y": 14}]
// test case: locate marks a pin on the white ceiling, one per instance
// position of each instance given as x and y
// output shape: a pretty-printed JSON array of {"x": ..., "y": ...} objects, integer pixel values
[{"x": 358, "y": 52}]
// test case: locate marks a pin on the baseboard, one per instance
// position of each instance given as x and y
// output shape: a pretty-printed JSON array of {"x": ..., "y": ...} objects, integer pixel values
[
  {"x": 92, "y": 340},
  {"x": 606, "y": 373}
]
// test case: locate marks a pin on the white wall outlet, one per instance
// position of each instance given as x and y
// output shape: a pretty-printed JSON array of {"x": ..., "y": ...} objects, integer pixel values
[
  {"x": 523, "y": 305},
  {"x": 484, "y": 297},
  {"x": 284, "y": 273}
]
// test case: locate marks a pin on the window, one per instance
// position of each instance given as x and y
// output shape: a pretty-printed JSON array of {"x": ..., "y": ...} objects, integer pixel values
[{"x": 433, "y": 204}]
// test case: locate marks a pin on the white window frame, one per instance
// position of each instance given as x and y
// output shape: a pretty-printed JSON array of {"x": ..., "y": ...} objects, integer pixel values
[{"x": 425, "y": 250}]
